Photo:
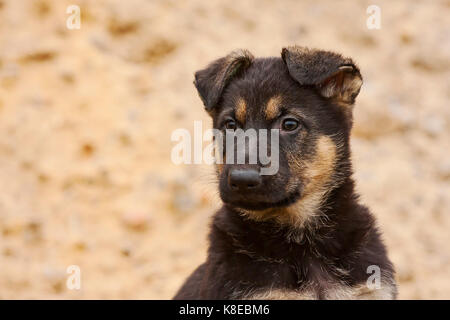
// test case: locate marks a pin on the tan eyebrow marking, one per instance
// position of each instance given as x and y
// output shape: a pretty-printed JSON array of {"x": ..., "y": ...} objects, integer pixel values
[
  {"x": 273, "y": 107},
  {"x": 241, "y": 110}
]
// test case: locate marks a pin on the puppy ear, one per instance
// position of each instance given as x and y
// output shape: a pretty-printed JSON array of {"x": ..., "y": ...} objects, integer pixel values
[
  {"x": 334, "y": 76},
  {"x": 211, "y": 81}
]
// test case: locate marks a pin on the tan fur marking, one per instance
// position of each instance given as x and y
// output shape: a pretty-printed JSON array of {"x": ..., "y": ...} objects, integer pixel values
[
  {"x": 338, "y": 292},
  {"x": 361, "y": 292},
  {"x": 219, "y": 168},
  {"x": 351, "y": 85},
  {"x": 241, "y": 110},
  {"x": 316, "y": 175},
  {"x": 279, "y": 294},
  {"x": 342, "y": 86},
  {"x": 273, "y": 107}
]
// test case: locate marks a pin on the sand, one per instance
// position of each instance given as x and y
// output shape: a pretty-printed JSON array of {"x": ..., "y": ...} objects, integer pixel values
[{"x": 86, "y": 118}]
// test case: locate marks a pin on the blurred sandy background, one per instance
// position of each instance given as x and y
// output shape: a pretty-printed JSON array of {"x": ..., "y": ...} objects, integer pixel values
[{"x": 86, "y": 117}]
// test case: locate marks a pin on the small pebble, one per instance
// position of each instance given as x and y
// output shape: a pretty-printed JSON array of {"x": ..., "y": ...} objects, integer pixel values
[{"x": 137, "y": 220}]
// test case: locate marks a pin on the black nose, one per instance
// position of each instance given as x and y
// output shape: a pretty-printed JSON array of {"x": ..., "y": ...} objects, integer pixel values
[{"x": 244, "y": 179}]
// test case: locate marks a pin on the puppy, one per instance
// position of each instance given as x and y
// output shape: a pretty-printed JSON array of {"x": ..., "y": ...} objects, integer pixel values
[{"x": 300, "y": 233}]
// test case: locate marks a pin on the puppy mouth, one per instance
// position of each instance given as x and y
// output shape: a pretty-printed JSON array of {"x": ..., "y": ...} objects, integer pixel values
[{"x": 263, "y": 205}]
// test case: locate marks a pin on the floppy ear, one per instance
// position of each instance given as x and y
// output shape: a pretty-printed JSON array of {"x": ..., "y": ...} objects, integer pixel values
[
  {"x": 211, "y": 81},
  {"x": 334, "y": 76}
]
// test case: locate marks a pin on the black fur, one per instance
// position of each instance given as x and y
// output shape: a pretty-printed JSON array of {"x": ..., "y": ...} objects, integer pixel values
[{"x": 211, "y": 81}]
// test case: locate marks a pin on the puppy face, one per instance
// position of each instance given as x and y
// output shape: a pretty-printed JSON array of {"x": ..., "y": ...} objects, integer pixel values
[{"x": 306, "y": 96}]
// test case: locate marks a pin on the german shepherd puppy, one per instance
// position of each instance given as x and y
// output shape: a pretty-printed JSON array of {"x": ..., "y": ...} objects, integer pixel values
[{"x": 300, "y": 233}]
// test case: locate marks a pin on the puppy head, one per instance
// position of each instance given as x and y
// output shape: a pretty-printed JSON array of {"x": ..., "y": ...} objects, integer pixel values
[{"x": 306, "y": 96}]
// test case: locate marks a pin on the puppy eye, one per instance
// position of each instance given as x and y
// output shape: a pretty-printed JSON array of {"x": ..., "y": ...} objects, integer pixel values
[
  {"x": 230, "y": 124},
  {"x": 289, "y": 124}
]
